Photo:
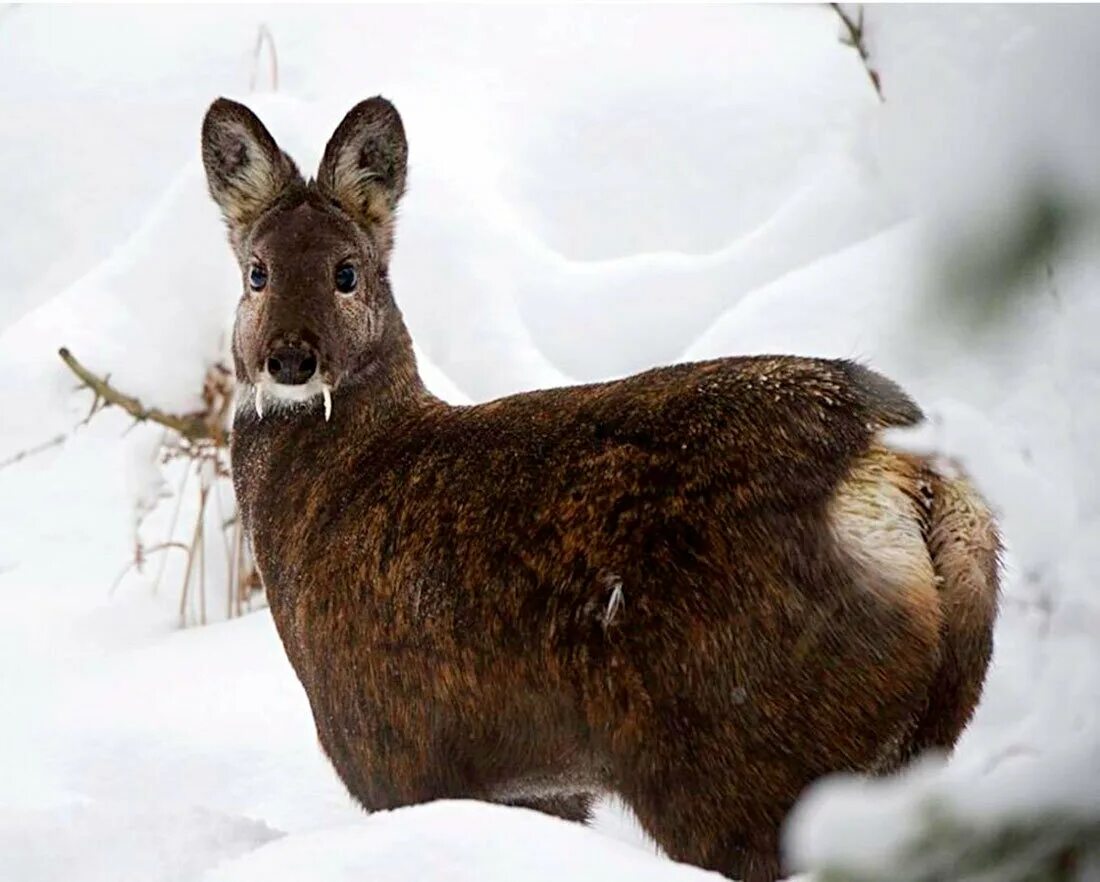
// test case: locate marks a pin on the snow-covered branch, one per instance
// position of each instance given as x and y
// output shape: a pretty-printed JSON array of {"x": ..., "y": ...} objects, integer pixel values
[{"x": 193, "y": 426}]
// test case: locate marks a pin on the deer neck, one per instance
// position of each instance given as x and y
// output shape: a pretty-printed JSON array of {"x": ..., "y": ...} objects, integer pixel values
[{"x": 290, "y": 447}]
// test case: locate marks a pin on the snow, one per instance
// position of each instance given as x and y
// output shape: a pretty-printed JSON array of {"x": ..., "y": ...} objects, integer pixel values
[
  {"x": 447, "y": 841},
  {"x": 593, "y": 191}
]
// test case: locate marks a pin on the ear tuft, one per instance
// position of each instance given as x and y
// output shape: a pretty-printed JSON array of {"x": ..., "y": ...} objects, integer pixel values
[
  {"x": 364, "y": 167},
  {"x": 245, "y": 169}
]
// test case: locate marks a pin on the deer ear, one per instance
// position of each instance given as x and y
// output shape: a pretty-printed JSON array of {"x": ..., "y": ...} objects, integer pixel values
[
  {"x": 245, "y": 169},
  {"x": 364, "y": 167}
]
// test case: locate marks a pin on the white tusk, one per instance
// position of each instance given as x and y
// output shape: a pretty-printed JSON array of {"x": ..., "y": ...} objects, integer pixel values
[
  {"x": 326, "y": 393},
  {"x": 260, "y": 402}
]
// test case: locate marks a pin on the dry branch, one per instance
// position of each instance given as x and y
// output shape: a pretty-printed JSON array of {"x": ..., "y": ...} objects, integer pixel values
[
  {"x": 55, "y": 441},
  {"x": 855, "y": 39},
  {"x": 263, "y": 35},
  {"x": 201, "y": 440},
  {"x": 193, "y": 427},
  {"x": 141, "y": 555}
]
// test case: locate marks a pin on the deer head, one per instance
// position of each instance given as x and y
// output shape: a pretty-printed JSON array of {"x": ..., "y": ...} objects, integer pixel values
[{"x": 316, "y": 313}]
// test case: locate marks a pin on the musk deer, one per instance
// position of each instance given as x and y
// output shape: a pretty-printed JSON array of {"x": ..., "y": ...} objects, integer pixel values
[{"x": 699, "y": 588}]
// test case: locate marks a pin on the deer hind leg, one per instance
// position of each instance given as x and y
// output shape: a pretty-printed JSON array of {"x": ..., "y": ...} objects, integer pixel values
[
  {"x": 684, "y": 823},
  {"x": 692, "y": 793}
]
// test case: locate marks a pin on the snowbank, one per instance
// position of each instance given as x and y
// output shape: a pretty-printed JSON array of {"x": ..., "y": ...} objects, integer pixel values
[
  {"x": 592, "y": 191},
  {"x": 454, "y": 842}
]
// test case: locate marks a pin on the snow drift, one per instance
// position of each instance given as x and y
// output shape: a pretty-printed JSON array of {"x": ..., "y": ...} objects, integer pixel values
[{"x": 592, "y": 191}]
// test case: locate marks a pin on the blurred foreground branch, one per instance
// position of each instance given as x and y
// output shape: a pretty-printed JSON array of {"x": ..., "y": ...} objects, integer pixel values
[
  {"x": 1047, "y": 848},
  {"x": 855, "y": 38}
]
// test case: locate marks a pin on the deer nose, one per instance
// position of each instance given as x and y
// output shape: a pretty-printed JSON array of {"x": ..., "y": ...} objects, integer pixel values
[{"x": 292, "y": 365}]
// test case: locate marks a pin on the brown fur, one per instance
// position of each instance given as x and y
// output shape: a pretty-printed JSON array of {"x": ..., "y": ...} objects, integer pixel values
[
  {"x": 965, "y": 548},
  {"x": 701, "y": 588}
]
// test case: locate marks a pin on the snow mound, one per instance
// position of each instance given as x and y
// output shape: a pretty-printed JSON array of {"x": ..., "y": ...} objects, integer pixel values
[
  {"x": 91, "y": 841},
  {"x": 592, "y": 191},
  {"x": 453, "y": 841}
]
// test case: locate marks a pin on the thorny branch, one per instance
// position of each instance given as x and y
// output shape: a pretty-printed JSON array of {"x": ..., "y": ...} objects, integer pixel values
[
  {"x": 193, "y": 426},
  {"x": 855, "y": 39},
  {"x": 201, "y": 439}
]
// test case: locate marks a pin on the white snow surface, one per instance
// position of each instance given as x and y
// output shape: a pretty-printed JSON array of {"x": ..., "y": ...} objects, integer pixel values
[{"x": 593, "y": 191}]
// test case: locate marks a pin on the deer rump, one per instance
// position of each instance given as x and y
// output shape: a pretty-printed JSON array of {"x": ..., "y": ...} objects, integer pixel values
[{"x": 700, "y": 588}]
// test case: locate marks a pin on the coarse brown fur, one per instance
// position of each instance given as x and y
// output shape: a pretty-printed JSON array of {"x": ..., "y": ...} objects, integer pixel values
[{"x": 700, "y": 588}]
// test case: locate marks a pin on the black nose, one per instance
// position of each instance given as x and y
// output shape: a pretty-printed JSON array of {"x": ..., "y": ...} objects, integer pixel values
[{"x": 292, "y": 365}]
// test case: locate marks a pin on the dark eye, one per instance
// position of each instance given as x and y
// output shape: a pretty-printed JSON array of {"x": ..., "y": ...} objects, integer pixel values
[
  {"x": 257, "y": 277},
  {"x": 346, "y": 278}
]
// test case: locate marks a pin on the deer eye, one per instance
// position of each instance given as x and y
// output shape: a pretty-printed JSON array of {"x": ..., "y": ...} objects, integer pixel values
[
  {"x": 346, "y": 278},
  {"x": 257, "y": 277}
]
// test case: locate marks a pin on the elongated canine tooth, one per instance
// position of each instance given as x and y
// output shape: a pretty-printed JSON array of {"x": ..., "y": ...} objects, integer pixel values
[
  {"x": 259, "y": 402},
  {"x": 326, "y": 393}
]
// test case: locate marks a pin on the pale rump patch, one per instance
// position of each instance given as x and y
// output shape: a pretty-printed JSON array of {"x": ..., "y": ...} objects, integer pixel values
[{"x": 878, "y": 522}]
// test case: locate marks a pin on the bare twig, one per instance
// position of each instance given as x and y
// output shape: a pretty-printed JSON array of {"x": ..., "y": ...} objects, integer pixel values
[
  {"x": 55, "y": 441},
  {"x": 172, "y": 525},
  {"x": 224, "y": 523},
  {"x": 202, "y": 559},
  {"x": 194, "y": 427},
  {"x": 196, "y": 538},
  {"x": 140, "y": 555},
  {"x": 263, "y": 35},
  {"x": 855, "y": 39}
]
